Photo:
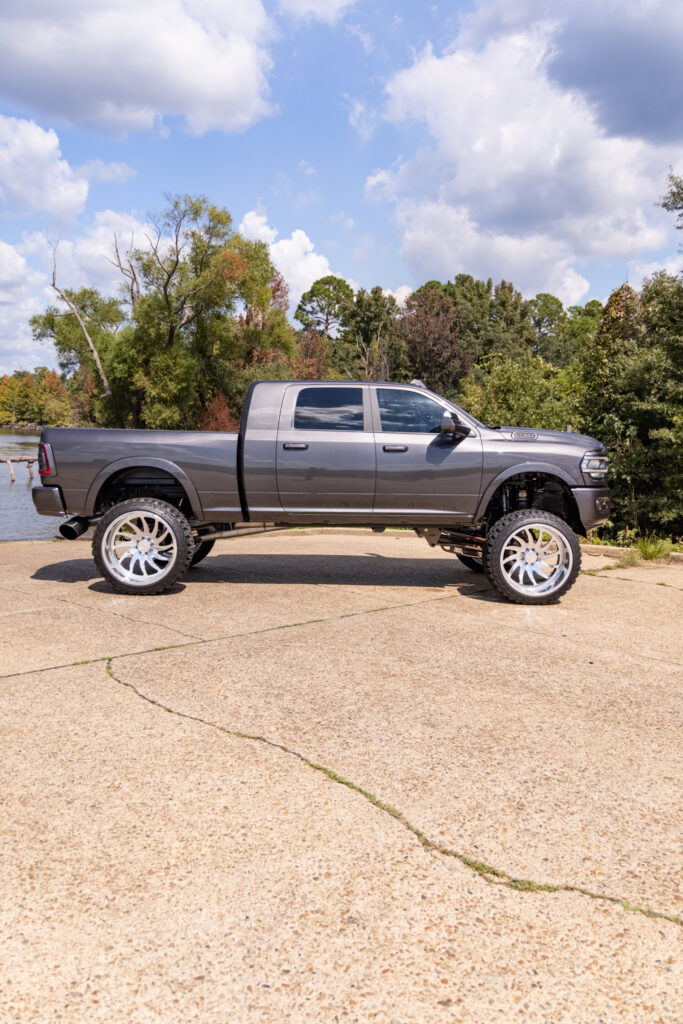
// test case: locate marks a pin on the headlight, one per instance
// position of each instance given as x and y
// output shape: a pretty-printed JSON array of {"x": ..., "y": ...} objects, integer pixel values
[{"x": 595, "y": 466}]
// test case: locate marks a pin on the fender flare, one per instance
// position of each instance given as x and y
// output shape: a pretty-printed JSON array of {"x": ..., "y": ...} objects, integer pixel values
[
  {"x": 525, "y": 467},
  {"x": 131, "y": 463}
]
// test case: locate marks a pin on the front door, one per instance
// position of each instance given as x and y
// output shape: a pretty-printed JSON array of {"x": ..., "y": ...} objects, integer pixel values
[
  {"x": 423, "y": 476},
  {"x": 326, "y": 452}
]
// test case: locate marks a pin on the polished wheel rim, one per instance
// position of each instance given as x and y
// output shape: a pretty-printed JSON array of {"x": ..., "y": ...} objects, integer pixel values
[
  {"x": 139, "y": 548},
  {"x": 536, "y": 559}
]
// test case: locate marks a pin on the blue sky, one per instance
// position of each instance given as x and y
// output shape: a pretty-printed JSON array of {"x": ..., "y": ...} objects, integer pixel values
[{"x": 389, "y": 143}]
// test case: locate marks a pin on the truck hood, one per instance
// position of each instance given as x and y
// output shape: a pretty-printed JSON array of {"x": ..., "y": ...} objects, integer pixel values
[{"x": 582, "y": 441}]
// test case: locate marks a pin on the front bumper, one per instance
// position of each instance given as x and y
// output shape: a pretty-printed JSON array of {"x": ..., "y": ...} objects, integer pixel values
[
  {"x": 48, "y": 501},
  {"x": 594, "y": 505}
]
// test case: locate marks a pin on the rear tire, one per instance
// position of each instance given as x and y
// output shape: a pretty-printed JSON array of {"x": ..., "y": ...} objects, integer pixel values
[
  {"x": 143, "y": 546},
  {"x": 532, "y": 557},
  {"x": 202, "y": 549},
  {"x": 475, "y": 564}
]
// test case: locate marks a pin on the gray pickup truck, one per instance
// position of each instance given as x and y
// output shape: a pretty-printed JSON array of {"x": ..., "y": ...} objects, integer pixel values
[{"x": 508, "y": 502}]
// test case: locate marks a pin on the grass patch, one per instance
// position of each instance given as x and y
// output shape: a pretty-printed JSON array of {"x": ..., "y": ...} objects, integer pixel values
[
  {"x": 650, "y": 546},
  {"x": 628, "y": 559}
]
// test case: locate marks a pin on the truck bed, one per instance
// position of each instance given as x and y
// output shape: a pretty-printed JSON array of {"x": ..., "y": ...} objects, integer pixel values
[{"x": 205, "y": 463}]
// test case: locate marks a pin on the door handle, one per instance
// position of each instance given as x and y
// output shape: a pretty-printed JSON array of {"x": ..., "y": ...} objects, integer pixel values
[
  {"x": 290, "y": 446},
  {"x": 395, "y": 447}
]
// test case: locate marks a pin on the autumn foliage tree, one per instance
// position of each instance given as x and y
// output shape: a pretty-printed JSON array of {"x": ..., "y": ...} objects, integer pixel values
[{"x": 430, "y": 330}]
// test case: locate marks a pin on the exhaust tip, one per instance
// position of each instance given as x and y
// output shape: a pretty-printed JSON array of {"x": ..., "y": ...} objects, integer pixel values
[{"x": 73, "y": 528}]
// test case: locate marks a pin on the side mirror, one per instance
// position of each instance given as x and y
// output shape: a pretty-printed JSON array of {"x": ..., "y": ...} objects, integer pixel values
[
  {"x": 447, "y": 423},
  {"x": 453, "y": 428}
]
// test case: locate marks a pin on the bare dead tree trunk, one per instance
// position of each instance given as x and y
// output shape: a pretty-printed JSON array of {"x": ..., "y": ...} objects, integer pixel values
[
  {"x": 127, "y": 268},
  {"x": 72, "y": 309}
]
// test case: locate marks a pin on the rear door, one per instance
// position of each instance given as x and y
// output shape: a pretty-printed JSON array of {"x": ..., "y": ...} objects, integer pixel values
[
  {"x": 423, "y": 475},
  {"x": 326, "y": 450}
]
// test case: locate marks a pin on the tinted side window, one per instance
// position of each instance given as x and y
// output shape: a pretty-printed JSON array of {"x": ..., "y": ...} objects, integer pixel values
[
  {"x": 329, "y": 409},
  {"x": 408, "y": 411}
]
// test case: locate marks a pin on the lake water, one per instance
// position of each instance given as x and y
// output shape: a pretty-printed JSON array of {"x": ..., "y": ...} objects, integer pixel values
[{"x": 18, "y": 517}]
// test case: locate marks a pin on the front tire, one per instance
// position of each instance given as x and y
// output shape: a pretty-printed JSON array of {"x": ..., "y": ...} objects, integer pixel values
[
  {"x": 143, "y": 546},
  {"x": 532, "y": 557}
]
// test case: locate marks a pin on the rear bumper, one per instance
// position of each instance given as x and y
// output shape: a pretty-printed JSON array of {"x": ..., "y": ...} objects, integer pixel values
[
  {"x": 594, "y": 505},
  {"x": 48, "y": 501}
]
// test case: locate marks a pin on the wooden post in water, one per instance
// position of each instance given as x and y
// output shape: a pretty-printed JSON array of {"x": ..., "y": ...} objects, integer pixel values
[{"x": 28, "y": 459}]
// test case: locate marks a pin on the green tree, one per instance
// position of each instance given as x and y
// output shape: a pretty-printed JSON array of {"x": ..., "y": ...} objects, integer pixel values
[
  {"x": 198, "y": 307},
  {"x": 368, "y": 347},
  {"x": 430, "y": 330},
  {"x": 493, "y": 319},
  {"x": 473, "y": 299},
  {"x": 15, "y": 397},
  {"x": 103, "y": 319},
  {"x": 324, "y": 306},
  {"x": 523, "y": 392},
  {"x": 579, "y": 330},
  {"x": 38, "y": 397},
  {"x": 633, "y": 394},
  {"x": 672, "y": 200},
  {"x": 509, "y": 330},
  {"x": 549, "y": 321}
]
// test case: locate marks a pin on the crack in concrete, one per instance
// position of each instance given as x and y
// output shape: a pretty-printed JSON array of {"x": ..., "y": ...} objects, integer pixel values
[
  {"x": 109, "y": 611},
  {"x": 490, "y": 874},
  {"x": 597, "y": 573},
  {"x": 200, "y": 641}
]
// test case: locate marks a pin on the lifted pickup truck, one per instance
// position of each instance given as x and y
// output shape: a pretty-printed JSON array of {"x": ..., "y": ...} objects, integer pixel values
[{"x": 508, "y": 502}]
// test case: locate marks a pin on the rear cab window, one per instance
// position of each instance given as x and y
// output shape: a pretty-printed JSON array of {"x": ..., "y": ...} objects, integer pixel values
[{"x": 323, "y": 408}]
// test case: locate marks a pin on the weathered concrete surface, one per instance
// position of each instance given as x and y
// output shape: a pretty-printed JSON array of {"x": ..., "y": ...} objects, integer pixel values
[{"x": 158, "y": 867}]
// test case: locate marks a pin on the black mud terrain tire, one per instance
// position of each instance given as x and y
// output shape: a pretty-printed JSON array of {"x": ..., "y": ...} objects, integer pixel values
[
  {"x": 532, "y": 556},
  {"x": 143, "y": 546},
  {"x": 475, "y": 564},
  {"x": 202, "y": 549}
]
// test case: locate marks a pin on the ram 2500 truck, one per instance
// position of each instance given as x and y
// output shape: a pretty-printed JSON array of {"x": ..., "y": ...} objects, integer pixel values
[{"x": 507, "y": 501}]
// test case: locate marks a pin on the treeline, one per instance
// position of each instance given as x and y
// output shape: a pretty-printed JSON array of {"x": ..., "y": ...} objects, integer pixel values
[
  {"x": 202, "y": 312},
  {"x": 38, "y": 397}
]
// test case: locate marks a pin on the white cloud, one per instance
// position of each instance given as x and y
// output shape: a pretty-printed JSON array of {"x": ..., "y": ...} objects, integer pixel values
[
  {"x": 348, "y": 223},
  {"x": 124, "y": 65},
  {"x": 440, "y": 240},
  {"x": 364, "y": 38},
  {"x": 82, "y": 261},
  {"x": 324, "y": 10},
  {"x": 361, "y": 118},
  {"x": 33, "y": 175},
  {"x": 522, "y": 181},
  {"x": 624, "y": 58},
  {"x": 255, "y": 227},
  {"x": 19, "y": 300},
  {"x": 639, "y": 271},
  {"x": 365, "y": 248},
  {"x": 400, "y": 294},
  {"x": 98, "y": 170},
  {"x": 295, "y": 257}
]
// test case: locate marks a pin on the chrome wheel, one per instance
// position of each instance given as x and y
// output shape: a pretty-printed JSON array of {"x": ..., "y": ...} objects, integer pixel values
[
  {"x": 139, "y": 548},
  {"x": 536, "y": 559}
]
